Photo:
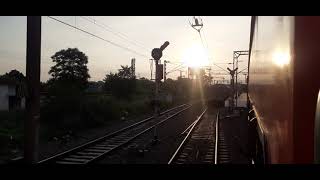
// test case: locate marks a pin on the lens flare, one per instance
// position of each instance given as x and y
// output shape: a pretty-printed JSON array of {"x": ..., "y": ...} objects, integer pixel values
[
  {"x": 281, "y": 58},
  {"x": 195, "y": 56}
]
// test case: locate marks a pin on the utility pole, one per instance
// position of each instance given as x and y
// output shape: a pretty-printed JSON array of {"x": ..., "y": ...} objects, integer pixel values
[
  {"x": 133, "y": 66},
  {"x": 31, "y": 125},
  {"x": 236, "y": 55},
  {"x": 232, "y": 73},
  {"x": 157, "y": 54}
]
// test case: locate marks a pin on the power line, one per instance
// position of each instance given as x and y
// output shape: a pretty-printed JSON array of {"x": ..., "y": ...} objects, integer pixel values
[
  {"x": 173, "y": 63},
  {"x": 205, "y": 40},
  {"x": 175, "y": 68},
  {"x": 124, "y": 35},
  {"x": 243, "y": 70},
  {"x": 120, "y": 35},
  {"x": 111, "y": 30},
  {"x": 220, "y": 67},
  {"x": 202, "y": 41},
  {"x": 96, "y": 36},
  {"x": 179, "y": 69}
]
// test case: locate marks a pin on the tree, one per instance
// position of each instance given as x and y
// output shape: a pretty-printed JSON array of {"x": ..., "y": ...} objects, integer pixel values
[
  {"x": 70, "y": 68},
  {"x": 121, "y": 84},
  {"x": 169, "y": 86},
  {"x": 14, "y": 75},
  {"x": 125, "y": 72}
]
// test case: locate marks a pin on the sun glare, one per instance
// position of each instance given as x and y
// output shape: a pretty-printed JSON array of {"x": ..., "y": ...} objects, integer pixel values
[
  {"x": 195, "y": 56},
  {"x": 281, "y": 58}
]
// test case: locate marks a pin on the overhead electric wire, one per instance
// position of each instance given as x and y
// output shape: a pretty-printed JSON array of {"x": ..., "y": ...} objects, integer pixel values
[
  {"x": 205, "y": 41},
  {"x": 179, "y": 69},
  {"x": 114, "y": 32},
  {"x": 119, "y": 34},
  {"x": 174, "y": 62},
  {"x": 207, "y": 47},
  {"x": 96, "y": 36},
  {"x": 202, "y": 41},
  {"x": 175, "y": 68},
  {"x": 216, "y": 64},
  {"x": 124, "y": 35},
  {"x": 243, "y": 70}
]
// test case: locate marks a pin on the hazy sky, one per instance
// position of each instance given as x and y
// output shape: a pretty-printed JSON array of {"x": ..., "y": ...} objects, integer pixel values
[{"x": 223, "y": 36}]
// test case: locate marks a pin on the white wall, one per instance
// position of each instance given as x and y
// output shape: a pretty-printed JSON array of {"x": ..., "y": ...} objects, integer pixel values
[{"x": 4, "y": 98}]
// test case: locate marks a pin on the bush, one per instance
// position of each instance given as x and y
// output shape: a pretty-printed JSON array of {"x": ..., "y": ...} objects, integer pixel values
[
  {"x": 97, "y": 110},
  {"x": 62, "y": 112},
  {"x": 11, "y": 128},
  {"x": 137, "y": 107},
  {"x": 75, "y": 113},
  {"x": 119, "y": 86}
]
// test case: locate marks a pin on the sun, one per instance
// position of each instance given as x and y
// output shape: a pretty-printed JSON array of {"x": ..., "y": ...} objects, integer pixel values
[
  {"x": 281, "y": 58},
  {"x": 195, "y": 56}
]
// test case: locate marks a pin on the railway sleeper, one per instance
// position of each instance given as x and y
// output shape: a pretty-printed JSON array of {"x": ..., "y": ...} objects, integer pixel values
[{"x": 95, "y": 150}]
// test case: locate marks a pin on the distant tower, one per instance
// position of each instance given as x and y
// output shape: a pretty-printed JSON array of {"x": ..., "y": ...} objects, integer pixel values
[{"x": 133, "y": 66}]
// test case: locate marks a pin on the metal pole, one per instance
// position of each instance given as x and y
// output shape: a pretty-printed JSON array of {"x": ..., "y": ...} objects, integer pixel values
[
  {"x": 156, "y": 110},
  {"x": 33, "y": 84},
  {"x": 233, "y": 87},
  {"x": 164, "y": 70},
  {"x": 236, "y": 86},
  {"x": 157, "y": 54}
]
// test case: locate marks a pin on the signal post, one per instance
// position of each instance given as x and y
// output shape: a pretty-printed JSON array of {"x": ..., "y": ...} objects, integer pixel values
[{"x": 157, "y": 54}]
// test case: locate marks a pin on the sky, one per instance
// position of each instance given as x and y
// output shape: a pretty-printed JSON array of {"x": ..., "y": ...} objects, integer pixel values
[{"x": 221, "y": 35}]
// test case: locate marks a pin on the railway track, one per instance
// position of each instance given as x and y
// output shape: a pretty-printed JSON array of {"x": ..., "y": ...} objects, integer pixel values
[
  {"x": 222, "y": 151},
  {"x": 98, "y": 148},
  {"x": 198, "y": 146}
]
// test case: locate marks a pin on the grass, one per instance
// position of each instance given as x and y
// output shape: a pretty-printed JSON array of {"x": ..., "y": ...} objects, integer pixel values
[
  {"x": 11, "y": 131},
  {"x": 76, "y": 114}
]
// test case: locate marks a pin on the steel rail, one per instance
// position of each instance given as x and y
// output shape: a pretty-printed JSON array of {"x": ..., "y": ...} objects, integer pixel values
[
  {"x": 114, "y": 134},
  {"x": 186, "y": 137}
]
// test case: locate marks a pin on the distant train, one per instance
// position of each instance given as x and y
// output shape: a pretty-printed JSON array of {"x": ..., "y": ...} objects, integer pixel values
[{"x": 283, "y": 89}]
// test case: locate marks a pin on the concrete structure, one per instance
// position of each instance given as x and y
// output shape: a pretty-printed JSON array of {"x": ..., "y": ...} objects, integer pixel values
[{"x": 9, "y": 96}]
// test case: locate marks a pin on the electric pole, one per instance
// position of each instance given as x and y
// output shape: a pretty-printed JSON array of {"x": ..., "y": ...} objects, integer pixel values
[
  {"x": 31, "y": 124},
  {"x": 236, "y": 55},
  {"x": 232, "y": 73},
  {"x": 133, "y": 67},
  {"x": 157, "y": 54}
]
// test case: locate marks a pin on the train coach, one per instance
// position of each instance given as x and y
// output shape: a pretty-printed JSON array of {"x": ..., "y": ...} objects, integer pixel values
[{"x": 283, "y": 88}]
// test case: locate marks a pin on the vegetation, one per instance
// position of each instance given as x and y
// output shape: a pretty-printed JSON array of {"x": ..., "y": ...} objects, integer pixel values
[
  {"x": 121, "y": 84},
  {"x": 71, "y": 67},
  {"x": 69, "y": 102},
  {"x": 11, "y": 122},
  {"x": 13, "y": 75}
]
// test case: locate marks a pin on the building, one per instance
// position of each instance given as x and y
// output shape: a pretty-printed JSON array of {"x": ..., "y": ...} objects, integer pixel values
[{"x": 11, "y": 95}]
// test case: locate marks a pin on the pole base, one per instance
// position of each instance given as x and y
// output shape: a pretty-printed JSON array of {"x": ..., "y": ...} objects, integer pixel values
[{"x": 155, "y": 140}]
